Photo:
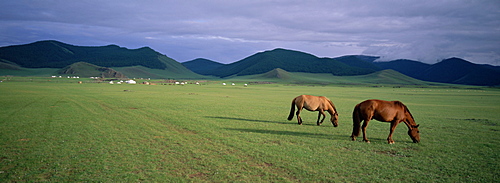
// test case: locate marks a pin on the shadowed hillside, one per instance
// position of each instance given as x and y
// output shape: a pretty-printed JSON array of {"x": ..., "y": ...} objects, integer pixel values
[
  {"x": 9, "y": 65},
  {"x": 408, "y": 67},
  {"x": 84, "y": 69},
  {"x": 202, "y": 66},
  {"x": 54, "y": 54},
  {"x": 452, "y": 70},
  {"x": 43, "y": 57},
  {"x": 389, "y": 77},
  {"x": 359, "y": 61},
  {"x": 289, "y": 60}
]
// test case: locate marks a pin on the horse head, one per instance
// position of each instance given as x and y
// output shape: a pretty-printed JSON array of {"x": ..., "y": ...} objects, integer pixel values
[
  {"x": 414, "y": 134},
  {"x": 335, "y": 119}
]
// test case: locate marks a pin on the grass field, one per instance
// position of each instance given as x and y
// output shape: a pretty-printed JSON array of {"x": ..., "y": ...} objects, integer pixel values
[{"x": 66, "y": 132}]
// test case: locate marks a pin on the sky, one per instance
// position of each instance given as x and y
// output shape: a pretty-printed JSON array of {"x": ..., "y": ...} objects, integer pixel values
[{"x": 227, "y": 31}]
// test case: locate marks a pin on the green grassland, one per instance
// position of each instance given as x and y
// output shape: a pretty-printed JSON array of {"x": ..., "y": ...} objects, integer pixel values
[{"x": 90, "y": 132}]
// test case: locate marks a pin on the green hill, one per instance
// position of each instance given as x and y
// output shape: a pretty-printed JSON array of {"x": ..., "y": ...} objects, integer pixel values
[
  {"x": 144, "y": 72},
  {"x": 389, "y": 77},
  {"x": 358, "y": 61},
  {"x": 289, "y": 60},
  {"x": 459, "y": 71},
  {"x": 277, "y": 73},
  {"x": 9, "y": 65},
  {"x": 408, "y": 67},
  {"x": 452, "y": 70},
  {"x": 54, "y": 54},
  {"x": 84, "y": 69},
  {"x": 202, "y": 66},
  {"x": 45, "y": 58}
]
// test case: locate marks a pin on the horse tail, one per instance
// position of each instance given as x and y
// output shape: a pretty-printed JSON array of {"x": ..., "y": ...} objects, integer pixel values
[
  {"x": 292, "y": 110},
  {"x": 356, "y": 121}
]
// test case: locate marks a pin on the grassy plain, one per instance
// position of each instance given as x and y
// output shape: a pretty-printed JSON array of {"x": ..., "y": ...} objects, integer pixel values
[{"x": 66, "y": 132}]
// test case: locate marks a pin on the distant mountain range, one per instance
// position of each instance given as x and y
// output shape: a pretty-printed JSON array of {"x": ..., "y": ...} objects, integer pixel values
[
  {"x": 115, "y": 61},
  {"x": 289, "y": 60},
  {"x": 452, "y": 70}
]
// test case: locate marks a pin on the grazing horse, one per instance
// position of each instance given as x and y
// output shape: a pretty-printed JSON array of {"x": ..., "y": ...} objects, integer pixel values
[
  {"x": 314, "y": 103},
  {"x": 394, "y": 112}
]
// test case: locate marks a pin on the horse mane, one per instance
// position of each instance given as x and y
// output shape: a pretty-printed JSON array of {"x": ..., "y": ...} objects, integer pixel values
[
  {"x": 333, "y": 105},
  {"x": 405, "y": 108}
]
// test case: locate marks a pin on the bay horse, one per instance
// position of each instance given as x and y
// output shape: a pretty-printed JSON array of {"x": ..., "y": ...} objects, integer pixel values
[
  {"x": 394, "y": 112},
  {"x": 314, "y": 103}
]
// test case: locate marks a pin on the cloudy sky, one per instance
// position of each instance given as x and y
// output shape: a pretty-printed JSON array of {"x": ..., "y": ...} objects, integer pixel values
[{"x": 227, "y": 31}]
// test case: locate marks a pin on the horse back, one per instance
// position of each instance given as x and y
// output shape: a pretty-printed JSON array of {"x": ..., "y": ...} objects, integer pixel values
[
  {"x": 382, "y": 110},
  {"x": 313, "y": 103}
]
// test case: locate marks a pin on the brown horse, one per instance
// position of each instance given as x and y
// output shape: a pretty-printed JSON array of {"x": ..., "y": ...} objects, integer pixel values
[
  {"x": 314, "y": 103},
  {"x": 394, "y": 112}
]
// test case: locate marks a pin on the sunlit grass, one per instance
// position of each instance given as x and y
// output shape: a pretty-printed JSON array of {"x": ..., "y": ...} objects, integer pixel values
[{"x": 65, "y": 132}]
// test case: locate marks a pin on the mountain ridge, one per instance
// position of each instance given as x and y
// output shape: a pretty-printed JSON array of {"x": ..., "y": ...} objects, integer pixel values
[
  {"x": 146, "y": 62},
  {"x": 201, "y": 65},
  {"x": 55, "y": 54},
  {"x": 452, "y": 70},
  {"x": 289, "y": 60}
]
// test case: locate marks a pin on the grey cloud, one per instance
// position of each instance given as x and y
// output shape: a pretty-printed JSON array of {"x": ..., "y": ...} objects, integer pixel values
[{"x": 227, "y": 31}]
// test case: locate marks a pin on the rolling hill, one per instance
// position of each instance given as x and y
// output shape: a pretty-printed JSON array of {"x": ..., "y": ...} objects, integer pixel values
[
  {"x": 289, "y": 60},
  {"x": 452, "y": 70},
  {"x": 388, "y": 76},
  {"x": 276, "y": 74},
  {"x": 202, "y": 66},
  {"x": 459, "y": 71},
  {"x": 359, "y": 61},
  {"x": 384, "y": 77},
  {"x": 84, "y": 69},
  {"x": 49, "y": 57},
  {"x": 54, "y": 54}
]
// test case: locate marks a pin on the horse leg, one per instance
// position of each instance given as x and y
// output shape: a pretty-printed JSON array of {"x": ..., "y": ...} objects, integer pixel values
[
  {"x": 299, "y": 119},
  {"x": 321, "y": 112},
  {"x": 393, "y": 127},
  {"x": 365, "y": 124}
]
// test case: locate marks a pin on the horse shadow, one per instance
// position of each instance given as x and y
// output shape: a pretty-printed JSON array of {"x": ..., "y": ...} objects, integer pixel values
[
  {"x": 278, "y": 132},
  {"x": 290, "y": 133},
  {"x": 257, "y": 120}
]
